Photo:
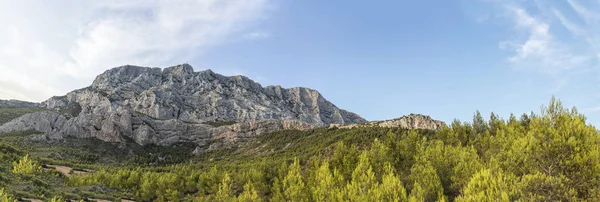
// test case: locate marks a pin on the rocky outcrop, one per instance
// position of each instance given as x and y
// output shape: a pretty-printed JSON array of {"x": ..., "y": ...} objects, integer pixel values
[
  {"x": 47, "y": 122},
  {"x": 165, "y": 106},
  {"x": 412, "y": 121},
  {"x": 180, "y": 93},
  {"x": 17, "y": 104}
]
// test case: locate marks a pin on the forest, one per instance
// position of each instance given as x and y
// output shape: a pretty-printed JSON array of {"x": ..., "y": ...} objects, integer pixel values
[{"x": 550, "y": 155}]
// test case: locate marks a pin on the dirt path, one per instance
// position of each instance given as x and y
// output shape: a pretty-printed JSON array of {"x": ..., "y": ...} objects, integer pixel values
[
  {"x": 102, "y": 200},
  {"x": 32, "y": 200},
  {"x": 66, "y": 170}
]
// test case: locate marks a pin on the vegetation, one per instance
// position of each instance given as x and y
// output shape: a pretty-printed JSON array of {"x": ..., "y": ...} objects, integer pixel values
[
  {"x": 6, "y": 197},
  {"x": 72, "y": 109},
  {"x": 218, "y": 123},
  {"x": 549, "y": 156},
  {"x": 8, "y": 114},
  {"x": 26, "y": 166}
]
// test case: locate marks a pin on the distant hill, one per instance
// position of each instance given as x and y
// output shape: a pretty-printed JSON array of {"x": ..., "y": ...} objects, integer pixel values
[{"x": 18, "y": 104}]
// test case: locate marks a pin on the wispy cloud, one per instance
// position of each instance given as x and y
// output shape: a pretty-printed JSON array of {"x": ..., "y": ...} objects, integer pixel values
[
  {"x": 256, "y": 35},
  {"x": 594, "y": 109},
  {"x": 539, "y": 48},
  {"x": 49, "y": 48},
  {"x": 557, "y": 41}
]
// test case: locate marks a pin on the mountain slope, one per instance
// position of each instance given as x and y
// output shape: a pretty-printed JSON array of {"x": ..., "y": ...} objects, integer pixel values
[
  {"x": 17, "y": 104},
  {"x": 176, "y": 104}
]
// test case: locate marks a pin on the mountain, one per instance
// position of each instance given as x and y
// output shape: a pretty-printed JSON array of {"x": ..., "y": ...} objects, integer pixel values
[
  {"x": 17, "y": 104},
  {"x": 411, "y": 121},
  {"x": 176, "y": 104}
]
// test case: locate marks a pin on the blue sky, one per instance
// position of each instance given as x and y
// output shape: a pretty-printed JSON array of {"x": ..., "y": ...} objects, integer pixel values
[
  {"x": 381, "y": 59},
  {"x": 389, "y": 58}
]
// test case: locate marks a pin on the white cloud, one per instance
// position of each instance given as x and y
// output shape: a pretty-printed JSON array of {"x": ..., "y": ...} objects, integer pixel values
[
  {"x": 560, "y": 40},
  {"x": 50, "y": 47},
  {"x": 540, "y": 49},
  {"x": 584, "y": 12},
  {"x": 257, "y": 35}
]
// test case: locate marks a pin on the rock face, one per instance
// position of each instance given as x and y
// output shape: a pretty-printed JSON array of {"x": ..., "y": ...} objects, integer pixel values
[
  {"x": 165, "y": 106},
  {"x": 412, "y": 121},
  {"x": 17, "y": 104},
  {"x": 39, "y": 121}
]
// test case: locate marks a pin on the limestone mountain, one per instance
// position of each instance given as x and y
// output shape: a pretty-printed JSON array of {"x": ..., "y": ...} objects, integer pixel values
[
  {"x": 17, "y": 104},
  {"x": 176, "y": 104},
  {"x": 411, "y": 121}
]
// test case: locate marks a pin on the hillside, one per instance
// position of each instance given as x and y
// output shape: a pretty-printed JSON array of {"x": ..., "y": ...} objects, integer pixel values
[{"x": 547, "y": 156}]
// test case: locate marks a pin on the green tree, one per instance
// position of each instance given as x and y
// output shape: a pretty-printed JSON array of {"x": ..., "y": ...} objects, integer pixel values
[
  {"x": 560, "y": 145},
  {"x": 541, "y": 187},
  {"x": 426, "y": 183},
  {"x": 363, "y": 180},
  {"x": 391, "y": 188},
  {"x": 6, "y": 197},
  {"x": 323, "y": 187},
  {"x": 249, "y": 194},
  {"x": 488, "y": 185},
  {"x": 409, "y": 146},
  {"x": 379, "y": 155},
  {"x": 293, "y": 185},
  {"x": 26, "y": 166},
  {"x": 345, "y": 159},
  {"x": 225, "y": 192},
  {"x": 277, "y": 191},
  {"x": 479, "y": 124}
]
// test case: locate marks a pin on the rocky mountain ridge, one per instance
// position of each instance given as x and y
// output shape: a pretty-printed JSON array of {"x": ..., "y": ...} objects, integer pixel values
[
  {"x": 165, "y": 106},
  {"x": 18, "y": 104},
  {"x": 411, "y": 121},
  {"x": 176, "y": 104}
]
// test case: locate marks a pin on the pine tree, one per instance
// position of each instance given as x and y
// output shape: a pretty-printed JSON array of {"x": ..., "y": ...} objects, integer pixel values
[
  {"x": 541, "y": 187},
  {"x": 426, "y": 182},
  {"x": 249, "y": 194},
  {"x": 391, "y": 188},
  {"x": 225, "y": 192},
  {"x": 293, "y": 185},
  {"x": 363, "y": 180},
  {"x": 6, "y": 197},
  {"x": 26, "y": 166},
  {"x": 323, "y": 188},
  {"x": 379, "y": 155},
  {"x": 488, "y": 185},
  {"x": 344, "y": 159},
  {"x": 479, "y": 125},
  {"x": 277, "y": 191}
]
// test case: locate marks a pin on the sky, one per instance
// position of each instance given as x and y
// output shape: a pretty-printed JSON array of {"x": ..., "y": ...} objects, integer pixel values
[{"x": 380, "y": 59}]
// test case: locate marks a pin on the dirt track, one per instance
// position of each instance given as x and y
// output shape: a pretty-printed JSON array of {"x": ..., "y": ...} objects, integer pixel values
[{"x": 65, "y": 170}]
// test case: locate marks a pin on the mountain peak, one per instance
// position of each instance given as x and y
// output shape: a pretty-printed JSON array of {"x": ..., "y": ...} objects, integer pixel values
[
  {"x": 180, "y": 69},
  {"x": 163, "y": 106}
]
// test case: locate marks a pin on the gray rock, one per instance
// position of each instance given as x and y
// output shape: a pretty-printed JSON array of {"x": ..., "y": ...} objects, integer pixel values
[
  {"x": 166, "y": 106},
  {"x": 17, "y": 104},
  {"x": 180, "y": 93},
  {"x": 412, "y": 121},
  {"x": 46, "y": 121}
]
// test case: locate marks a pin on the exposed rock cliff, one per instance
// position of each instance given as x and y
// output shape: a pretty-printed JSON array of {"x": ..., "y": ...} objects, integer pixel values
[
  {"x": 165, "y": 106},
  {"x": 412, "y": 121}
]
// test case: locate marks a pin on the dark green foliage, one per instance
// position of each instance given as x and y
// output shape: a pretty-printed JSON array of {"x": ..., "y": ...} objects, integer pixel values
[
  {"x": 218, "y": 123},
  {"x": 551, "y": 156}
]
